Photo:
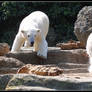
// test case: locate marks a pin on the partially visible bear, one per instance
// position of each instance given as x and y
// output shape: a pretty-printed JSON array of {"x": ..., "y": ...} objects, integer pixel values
[
  {"x": 89, "y": 51},
  {"x": 33, "y": 29}
]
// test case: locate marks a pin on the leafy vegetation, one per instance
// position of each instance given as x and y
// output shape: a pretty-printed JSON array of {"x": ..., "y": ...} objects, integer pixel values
[{"x": 62, "y": 17}]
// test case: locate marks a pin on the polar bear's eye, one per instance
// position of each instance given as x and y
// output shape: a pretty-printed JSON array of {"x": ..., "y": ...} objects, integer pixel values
[
  {"x": 28, "y": 35},
  {"x": 38, "y": 30}
]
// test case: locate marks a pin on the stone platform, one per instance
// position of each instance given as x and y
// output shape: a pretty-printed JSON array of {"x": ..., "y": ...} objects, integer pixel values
[
  {"x": 75, "y": 74},
  {"x": 75, "y": 60}
]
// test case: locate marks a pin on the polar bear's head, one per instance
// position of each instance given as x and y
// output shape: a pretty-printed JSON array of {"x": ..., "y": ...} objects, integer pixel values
[{"x": 31, "y": 35}]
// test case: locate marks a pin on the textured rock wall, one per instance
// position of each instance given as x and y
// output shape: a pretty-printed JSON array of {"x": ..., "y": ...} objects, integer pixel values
[{"x": 83, "y": 24}]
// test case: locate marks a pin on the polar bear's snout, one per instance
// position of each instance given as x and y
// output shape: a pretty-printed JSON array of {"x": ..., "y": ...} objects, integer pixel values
[{"x": 31, "y": 41}]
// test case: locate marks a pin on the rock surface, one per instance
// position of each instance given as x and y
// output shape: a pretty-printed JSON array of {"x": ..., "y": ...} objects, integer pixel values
[
  {"x": 44, "y": 70},
  {"x": 9, "y": 65},
  {"x": 81, "y": 82},
  {"x": 83, "y": 24},
  {"x": 4, "y": 48},
  {"x": 55, "y": 56},
  {"x": 75, "y": 74},
  {"x": 4, "y": 79},
  {"x": 69, "y": 60}
]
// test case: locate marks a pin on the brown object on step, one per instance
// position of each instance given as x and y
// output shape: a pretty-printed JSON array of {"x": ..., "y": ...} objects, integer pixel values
[
  {"x": 71, "y": 45},
  {"x": 44, "y": 70}
]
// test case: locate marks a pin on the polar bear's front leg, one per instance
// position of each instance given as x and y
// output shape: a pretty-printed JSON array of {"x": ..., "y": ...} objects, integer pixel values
[
  {"x": 89, "y": 51},
  {"x": 18, "y": 42},
  {"x": 90, "y": 65},
  {"x": 26, "y": 44},
  {"x": 42, "y": 49}
]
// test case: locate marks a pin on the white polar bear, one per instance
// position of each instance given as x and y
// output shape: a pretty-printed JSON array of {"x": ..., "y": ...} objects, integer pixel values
[
  {"x": 33, "y": 28},
  {"x": 89, "y": 51}
]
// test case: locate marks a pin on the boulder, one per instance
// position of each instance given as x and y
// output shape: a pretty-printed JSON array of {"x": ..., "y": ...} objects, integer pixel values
[
  {"x": 9, "y": 65},
  {"x": 83, "y": 24},
  {"x": 4, "y": 79},
  {"x": 44, "y": 70},
  {"x": 4, "y": 48},
  {"x": 71, "y": 82}
]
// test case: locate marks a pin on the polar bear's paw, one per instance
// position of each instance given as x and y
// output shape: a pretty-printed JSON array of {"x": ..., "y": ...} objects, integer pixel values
[
  {"x": 39, "y": 54},
  {"x": 90, "y": 69}
]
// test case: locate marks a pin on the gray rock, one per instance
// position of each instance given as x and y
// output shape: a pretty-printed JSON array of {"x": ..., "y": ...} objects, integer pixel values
[
  {"x": 82, "y": 82},
  {"x": 55, "y": 56},
  {"x": 75, "y": 60},
  {"x": 10, "y": 62},
  {"x": 83, "y": 24},
  {"x": 75, "y": 74},
  {"x": 4, "y": 79},
  {"x": 9, "y": 65}
]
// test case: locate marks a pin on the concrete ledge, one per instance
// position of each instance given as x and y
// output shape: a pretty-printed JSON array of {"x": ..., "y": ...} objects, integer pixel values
[
  {"x": 55, "y": 56},
  {"x": 59, "y": 83},
  {"x": 71, "y": 61}
]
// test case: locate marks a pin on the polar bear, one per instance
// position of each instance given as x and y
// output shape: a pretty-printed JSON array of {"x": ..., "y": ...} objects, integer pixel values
[
  {"x": 89, "y": 51},
  {"x": 33, "y": 29}
]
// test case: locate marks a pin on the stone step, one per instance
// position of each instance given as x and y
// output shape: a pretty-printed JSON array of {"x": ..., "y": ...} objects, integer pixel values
[
  {"x": 8, "y": 70},
  {"x": 72, "y": 65},
  {"x": 77, "y": 82},
  {"x": 76, "y": 70},
  {"x": 70, "y": 61},
  {"x": 55, "y": 56}
]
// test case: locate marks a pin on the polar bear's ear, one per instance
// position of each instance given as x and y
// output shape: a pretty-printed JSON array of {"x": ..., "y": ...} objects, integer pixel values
[
  {"x": 38, "y": 30},
  {"x": 22, "y": 31}
]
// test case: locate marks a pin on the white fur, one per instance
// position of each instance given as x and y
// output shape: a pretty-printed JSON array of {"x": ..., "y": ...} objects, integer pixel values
[
  {"x": 89, "y": 51},
  {"x": 90, "y": 67},
  {"x": 30, "y": 26}
]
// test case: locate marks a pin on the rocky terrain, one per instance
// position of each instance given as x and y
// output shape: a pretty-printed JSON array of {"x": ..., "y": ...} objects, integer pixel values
[
  {"x": 66, "y": 67},
  {"x": 73, "y": 64}
]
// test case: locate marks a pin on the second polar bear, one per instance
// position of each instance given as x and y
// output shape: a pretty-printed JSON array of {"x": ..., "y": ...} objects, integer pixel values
[
  {"x": 89, "y": 51},
  {"x": 33, "y": 29}
]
